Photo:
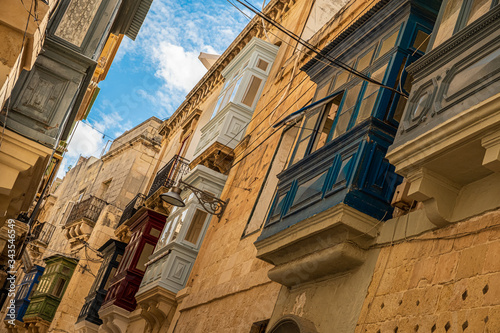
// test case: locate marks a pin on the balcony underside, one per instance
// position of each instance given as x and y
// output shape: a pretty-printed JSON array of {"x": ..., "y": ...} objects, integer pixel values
[
  {"x": 455, "y": 168},
  {"x": 325, "y": 244}
]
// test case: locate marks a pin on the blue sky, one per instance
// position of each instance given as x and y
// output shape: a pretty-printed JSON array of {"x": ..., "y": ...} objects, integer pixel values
[{"x": 152, "y": 75}]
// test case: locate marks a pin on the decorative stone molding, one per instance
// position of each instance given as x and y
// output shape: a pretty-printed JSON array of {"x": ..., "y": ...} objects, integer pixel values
[
  {"x": 293, "y": 324},
  {"x": 444, "y": 164},
  {"x": 157, "y": 308},
  {"x": 325, "y": 244},
  {"x": 437, "y": 193},
  {"x": 37, "y": 326},
  {"x": 217, "y": 157},
  {"x": 86, "y": 327},
  {"x": 79, "y": 232},
  {"x": 154, "y": 202},
  {"x": 114, "y": 319},
  {"x": 492, "y": 156},
  {"x": 123, "y": 233}
]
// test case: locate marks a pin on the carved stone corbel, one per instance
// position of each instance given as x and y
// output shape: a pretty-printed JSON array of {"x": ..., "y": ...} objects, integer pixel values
[
  {"x": 491, "y": 158},
  {"x": 437, "y": 193},
  {"x": 157, "y": 308}
]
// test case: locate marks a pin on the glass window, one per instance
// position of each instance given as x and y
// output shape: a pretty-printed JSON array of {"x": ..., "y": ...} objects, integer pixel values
[
  {"x": 143, "y": 259},
  {"x": 177, "y": 227},
  {"x": 421, "y": 41},
  {"x": 478, "y": 9},
  {"x": 327, "y": 122},
  {"x": 388, "y": 43},
  {"x": 194, "y": 231},
  {"x": 251, "y": 93},
  {"x": 58, "y": 287},
  {"x": 347, "y": 110},
  {"x": 279, "y": 205},
  {"x": 448, "y": 21},
  {"x": 307, "y": 130},
  {"x": 341, "y": 80},
  {"x": 365, "y": 60},
  {"x": 310, "y": 188},
  {"x": 166, "y": 230},
  {"x": 110, "y": 277},
  {"x": 322, "y": 91},
  {"x": 370, "y": 96}
]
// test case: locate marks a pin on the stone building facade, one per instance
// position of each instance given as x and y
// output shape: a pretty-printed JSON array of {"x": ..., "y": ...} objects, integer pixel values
[
  {"x": 83, "y": 212},
  {"x": 346, "y": 184}
]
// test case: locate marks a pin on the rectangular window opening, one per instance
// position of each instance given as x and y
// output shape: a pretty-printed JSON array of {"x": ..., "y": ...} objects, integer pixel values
[
  {"x": 252, "y": 90},
  {"x": 196, "y": 226}
]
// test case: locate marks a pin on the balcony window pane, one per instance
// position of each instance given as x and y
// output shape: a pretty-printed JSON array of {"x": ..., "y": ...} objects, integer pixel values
[
  {"x": 143, "y": 259},
  {"x": 365, "y": 60},
  {"x": 448, "y": 21},
  {"x": 478, "y": 9},
  {"x": 166, "y": 230},
  {"x": 421, "y": 41},
  {"x": 196, "y": 226},
  {"x": 310, "y": 188},
  {"x": 252, "y": 90},
  {"x": 341, "y": 80},
  {"x": 307, "y": 130},
  {"x": 322, "y": 91},
  {"x": 388, "y": 43},
  {"x": 347, "y": 110},
  {"x": 261, "y": 64},
  {"x": 371, "y": 93},
  {"x": 352, "y": 96},
  {"x": 59, "y": 286},
  {"x": 177, "y": 227},
  {"x": 279, "y": 205},
  {"x": 217, "y": 106},
  {"x": 342, "y": 123},
  {"x": 344, "y": 169},
  {"x": 110, "y": 277},
  {"x": 327, "y": 122},
  {"x": 234, "y": 90}
]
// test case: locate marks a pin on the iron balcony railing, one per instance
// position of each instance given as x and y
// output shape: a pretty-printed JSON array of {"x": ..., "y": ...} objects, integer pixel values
[
  {"x": 89, "y": 209},
  {"x": 132, "y": 207},
  {"x": 43, "y": 232},
  {"x": 167, "y": 176}
]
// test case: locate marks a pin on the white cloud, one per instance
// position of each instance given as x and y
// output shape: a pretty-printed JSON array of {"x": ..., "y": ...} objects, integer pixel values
[
  {"x": 179, "y": 68},
  {"x": 171, "y": 38},
  {"x": 85, "y": 141}
]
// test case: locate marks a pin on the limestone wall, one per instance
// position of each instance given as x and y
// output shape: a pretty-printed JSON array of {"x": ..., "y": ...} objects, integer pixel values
[{"x": 446, "y": 280}]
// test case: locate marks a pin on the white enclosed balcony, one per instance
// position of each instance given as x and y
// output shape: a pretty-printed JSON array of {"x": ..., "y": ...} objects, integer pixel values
[{"x": 244, "y": 79}]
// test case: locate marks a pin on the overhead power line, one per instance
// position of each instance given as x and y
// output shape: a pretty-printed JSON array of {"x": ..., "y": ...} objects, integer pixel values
[{"x": 317, "y": 51}]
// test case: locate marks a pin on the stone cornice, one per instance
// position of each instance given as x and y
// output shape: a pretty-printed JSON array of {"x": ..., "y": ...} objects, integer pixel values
[{"x": 148, "y": 142}]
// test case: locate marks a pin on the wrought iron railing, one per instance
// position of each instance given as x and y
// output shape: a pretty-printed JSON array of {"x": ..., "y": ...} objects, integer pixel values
[
  {"x": 43, "y": 232},
  {"x": 132, "y": 207},
  {"x": 167, "y": 176},
  {"x": 89, "y": 209}
]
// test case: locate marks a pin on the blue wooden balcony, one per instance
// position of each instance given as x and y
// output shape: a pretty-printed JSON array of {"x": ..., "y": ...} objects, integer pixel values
[
  {"x": 351, "y": 169},
  {"x": 23, "y": 295}
]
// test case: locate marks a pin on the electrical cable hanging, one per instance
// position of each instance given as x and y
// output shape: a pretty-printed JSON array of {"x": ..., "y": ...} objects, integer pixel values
[{"x": 314, "y": 49}]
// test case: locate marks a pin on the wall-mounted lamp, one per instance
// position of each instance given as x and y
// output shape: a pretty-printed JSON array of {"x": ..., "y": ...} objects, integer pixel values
[{"x": 210, "y": 203}]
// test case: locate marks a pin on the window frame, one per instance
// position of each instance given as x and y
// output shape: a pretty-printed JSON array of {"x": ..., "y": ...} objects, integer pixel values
[{"x": 460, "y": 23}]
